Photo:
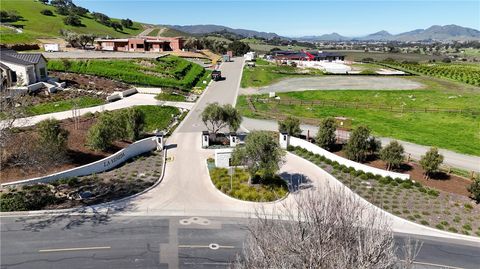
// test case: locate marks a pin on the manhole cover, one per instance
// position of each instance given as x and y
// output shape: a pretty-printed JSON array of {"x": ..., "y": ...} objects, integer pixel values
[{"x": 214, "y": 246}]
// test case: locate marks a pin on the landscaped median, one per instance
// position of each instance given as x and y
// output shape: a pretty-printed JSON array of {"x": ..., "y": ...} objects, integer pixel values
[
  {"x": 404, "y": 198},
  {"x": 238, "y": 185}
]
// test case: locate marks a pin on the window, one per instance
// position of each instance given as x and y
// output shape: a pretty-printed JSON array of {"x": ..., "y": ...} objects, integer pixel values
[
  {"x": 284, "y": 138},
  {"x": 43, "y": 74},
  {"x": 139, "y": 46},
  {"x": 205, "y": 138},
  {"x": 131, "y": 46}
]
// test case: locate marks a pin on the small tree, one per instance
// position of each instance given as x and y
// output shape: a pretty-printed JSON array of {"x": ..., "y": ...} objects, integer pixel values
[
  {"x": 261, "y": 154},
  {"x": 108, "y": 128},
  {"x": 135, "y": 122},
  {"x": 238, "y": 47},
  {"x": 374, "y": 145},
  {"x": 474, "y": 190},
  {"x": 216, "y": 117},
  {"x": 52, "y": 139},
  {"x": 84, "y": 39},
  {"x": 290, "y": 125},
  {"x": 358, "y": 145},
  {"x": 392, "y": 154},
  {"x": 326, "y": 137},
  {"x": 431, "y": 161},
  {"x": 46, "y": 12},
  {"x": 73, "y": 20},
  {"x": 117, "y": 26},
  {"x": 127, "y": 23}
]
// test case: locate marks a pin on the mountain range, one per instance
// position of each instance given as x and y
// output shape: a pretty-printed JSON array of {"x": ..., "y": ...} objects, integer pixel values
[{"x": 435, "y": 33}]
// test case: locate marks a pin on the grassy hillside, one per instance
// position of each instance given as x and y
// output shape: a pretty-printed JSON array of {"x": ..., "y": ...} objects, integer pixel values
[{"x": 36, "y": 25}]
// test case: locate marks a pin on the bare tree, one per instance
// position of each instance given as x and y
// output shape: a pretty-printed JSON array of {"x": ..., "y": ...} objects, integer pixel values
[{"x": 331, "y": 229}]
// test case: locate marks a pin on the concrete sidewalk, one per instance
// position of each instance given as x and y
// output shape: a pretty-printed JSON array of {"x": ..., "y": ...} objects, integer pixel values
[
  {"x": 134, "y": 100},
  {"x": 454, "y": 159}
]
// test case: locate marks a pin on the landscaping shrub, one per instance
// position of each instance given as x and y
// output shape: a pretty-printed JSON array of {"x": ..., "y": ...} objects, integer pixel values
[{"x": 474, "y": 189}]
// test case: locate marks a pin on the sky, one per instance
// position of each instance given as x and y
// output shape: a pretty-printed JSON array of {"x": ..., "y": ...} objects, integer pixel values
[{"x": 297, "y": 18}]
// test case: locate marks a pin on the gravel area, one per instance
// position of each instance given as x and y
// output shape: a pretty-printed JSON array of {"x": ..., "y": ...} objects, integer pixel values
[{"x": 338, "y": 83}]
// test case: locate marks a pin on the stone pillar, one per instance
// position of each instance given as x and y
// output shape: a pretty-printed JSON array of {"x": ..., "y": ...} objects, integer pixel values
[
  {"x": 205, "y": 139},
  {"x": 233, "y": 139},
  {"x": 284, "y": 140},
  {"x": 160, "y": 140}
]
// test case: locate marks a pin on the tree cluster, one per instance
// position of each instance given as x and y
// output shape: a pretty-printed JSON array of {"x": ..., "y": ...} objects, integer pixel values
[
  {"x": 216, "y": 117},
  {"x": 392, "y": 154},
  {"x": 46, "y": 12},
  {"x": 215, "y": 46},
  {"x": 238, "y": 48},
  {"x": 361, "y": 144},
  {"x": 105, "y": 20},
  {"x": 77, "y": 40},
  {"x": 127, "y": 124},
  {"x": 9, "y": 16}
]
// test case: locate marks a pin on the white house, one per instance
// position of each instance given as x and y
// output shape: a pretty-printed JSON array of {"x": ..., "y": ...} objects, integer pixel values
[{"x": 24, "y": 68}]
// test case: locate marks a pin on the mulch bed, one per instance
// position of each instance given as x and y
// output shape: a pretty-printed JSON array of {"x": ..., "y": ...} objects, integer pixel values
[
  {"x": 89, "y": 82},
  {"x": 78, "y": 153},
  {"x": 441, "y": 181}
]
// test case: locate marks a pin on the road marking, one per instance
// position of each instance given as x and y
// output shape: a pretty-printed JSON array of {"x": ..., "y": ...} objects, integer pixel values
[
  {"x": 211, "y": 246},
  {"x": 72, "y": 249}
]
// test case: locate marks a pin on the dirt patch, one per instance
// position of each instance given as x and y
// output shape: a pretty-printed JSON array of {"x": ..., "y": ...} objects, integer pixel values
[
  {"x": 440, "y": 181},
  {"x": 88, "y": 82},
  {"x": 78, "y": 153}
]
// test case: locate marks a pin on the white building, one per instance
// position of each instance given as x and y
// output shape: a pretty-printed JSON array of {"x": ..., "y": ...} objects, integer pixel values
[{"x": 24, "y": 68}]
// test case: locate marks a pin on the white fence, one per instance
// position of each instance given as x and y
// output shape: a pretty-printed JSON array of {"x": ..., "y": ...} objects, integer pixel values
[
  {"x": 137, "y": 148},
  {"x": 297, "y": 142}
]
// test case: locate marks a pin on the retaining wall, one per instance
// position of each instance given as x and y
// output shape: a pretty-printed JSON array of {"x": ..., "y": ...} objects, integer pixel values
[
  {"x": 137, "y": 148},
  {"x": 297, "y": 142}
]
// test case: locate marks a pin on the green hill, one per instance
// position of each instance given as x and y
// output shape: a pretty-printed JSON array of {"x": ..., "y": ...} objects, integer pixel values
[{"x": 36, "y": 25}]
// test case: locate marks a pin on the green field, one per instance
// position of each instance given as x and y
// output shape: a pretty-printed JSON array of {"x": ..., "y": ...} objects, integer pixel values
[
  {"x": 261, "y": 46},
  {"x": 36, "y": 25},
  {"x": 266, "y": 73},
  {"x": 358, "y": 55},
  {"x": 158, "y": 117},
  {"x": 445, "y": 130},
  {"x": 64, "y": 105},
  {"x": 169, "y": 71}
]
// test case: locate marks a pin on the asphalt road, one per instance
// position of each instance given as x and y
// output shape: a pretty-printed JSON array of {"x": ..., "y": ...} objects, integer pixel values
[
  {"x": 463, "y": 161},
  {"x": 106, "y": 241}
]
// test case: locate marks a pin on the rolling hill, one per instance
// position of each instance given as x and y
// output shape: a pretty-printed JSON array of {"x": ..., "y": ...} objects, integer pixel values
[
  {"x": 34, "y": 25},
  {"x": 211, "y": 28}
]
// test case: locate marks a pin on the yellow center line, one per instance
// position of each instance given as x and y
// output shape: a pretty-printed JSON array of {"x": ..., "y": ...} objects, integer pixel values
[{"x": 72, "y": 249}]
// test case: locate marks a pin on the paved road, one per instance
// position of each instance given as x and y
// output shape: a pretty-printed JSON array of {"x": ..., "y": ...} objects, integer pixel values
[
  {"x": 136, "y": 99},
  {"x": 463, "y": 161},
  {"x": 105, "y": 241},
  {"x": 337, "y": 83}
]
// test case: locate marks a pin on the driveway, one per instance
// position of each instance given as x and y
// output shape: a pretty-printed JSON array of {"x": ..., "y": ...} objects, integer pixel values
[
  {"x": 454, "y": 159},
  {"x": 337, "y": 83}
]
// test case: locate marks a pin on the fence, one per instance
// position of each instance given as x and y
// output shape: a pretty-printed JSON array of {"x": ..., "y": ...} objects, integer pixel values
[
  {"x": 355, "y": 105},
  {"x": 137, "y": 148}
]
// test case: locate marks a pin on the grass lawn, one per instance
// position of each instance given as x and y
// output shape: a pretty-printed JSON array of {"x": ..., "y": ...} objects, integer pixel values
[
  {"x": 267, "y": 73},
  {"x": 168, "y": 71},
  {"x": 37, "y": 25},
  {"x": 358, "y": 55},
  {"x": 243, "y": 191},
  {"x": 64, "y": 105},
  {"x": 406, "y": 199},
  {"x": 158, "y": 117},
  {"x": 170, "y": 97},
  {"x": 445, "y": 130}
]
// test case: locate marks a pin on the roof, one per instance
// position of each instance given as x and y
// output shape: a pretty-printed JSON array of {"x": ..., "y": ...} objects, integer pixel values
[{"x": 11, "y": 56}]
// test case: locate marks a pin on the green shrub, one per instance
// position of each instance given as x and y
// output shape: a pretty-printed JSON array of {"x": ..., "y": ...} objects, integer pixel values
[
  {"x": 440, "y": 227},
  {"x": 452, "y": 229},
  {"x": 467, "y": 227},
  {"x": 457, "y": 219},
  {"x": 364, "y": 177},
  {"x": 474, "y": 189},
  {"x": 444, "y": 223},
  {"x": 424, "y": 222}
]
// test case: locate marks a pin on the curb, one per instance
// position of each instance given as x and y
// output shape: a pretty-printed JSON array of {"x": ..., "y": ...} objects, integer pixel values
[
  {"x": 243, "y": 201},
  {"x": 93, "y": 207},
  {"x": 440, "y": 232}
]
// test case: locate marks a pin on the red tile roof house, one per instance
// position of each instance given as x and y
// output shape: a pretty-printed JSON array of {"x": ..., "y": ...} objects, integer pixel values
[{"x": 141, "y": 44}]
